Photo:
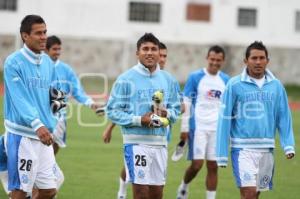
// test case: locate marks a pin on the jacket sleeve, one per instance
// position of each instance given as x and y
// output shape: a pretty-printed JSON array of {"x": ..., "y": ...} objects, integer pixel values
[
  {"x": 119, "y": 107},
  {"x": 77, "y": 91},
  {"x": 174, "y": 102},
  {"x": 20, "y": 99},
  {"x": 224, "y": 126},
  {"x": 284, "y": 124}
]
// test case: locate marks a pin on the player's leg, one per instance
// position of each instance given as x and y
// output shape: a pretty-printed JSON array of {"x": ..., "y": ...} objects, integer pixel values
[
  {"x": 137, "y": 161},
  {"x": 3, "y": 165},
  {"x": 59, "y": 134},
  {"x": 122, "y": 192},
  {"x": 158, "y": 172},
  {"x": 22, "y": 165},
  {"x": 211, "y": 179},
  {"x": 245, "y": 168},
  {"x": 156, "y": 192},
  {"x": 46, "y": 180},
  {"x": 197, "y": 151},
  {"x": 212, "y": 167}
]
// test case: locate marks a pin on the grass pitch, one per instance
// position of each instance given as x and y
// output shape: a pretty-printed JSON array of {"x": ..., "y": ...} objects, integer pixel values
[{"x": 92, "y": 168}]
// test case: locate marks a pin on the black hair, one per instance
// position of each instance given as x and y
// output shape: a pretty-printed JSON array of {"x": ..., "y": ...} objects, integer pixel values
[
  {"x": 256, "y": 45},
  {"x": 216, "y": 49},
  {"x": 147, "y": 37},
  {"x": 52, "y": 40},
  {"x": 162, "y": 46},
  {"x": 28, "y": 21}
]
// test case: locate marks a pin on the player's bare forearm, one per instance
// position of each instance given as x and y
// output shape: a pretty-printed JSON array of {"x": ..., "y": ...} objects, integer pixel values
[{"x": 107, "y": 134}]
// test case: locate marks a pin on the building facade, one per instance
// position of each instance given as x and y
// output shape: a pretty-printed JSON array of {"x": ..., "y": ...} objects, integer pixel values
[{"x": 99, "y": 36}]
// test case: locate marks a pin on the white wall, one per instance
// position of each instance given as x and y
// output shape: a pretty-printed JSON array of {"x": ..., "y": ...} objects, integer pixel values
[{"x": 108, "y": 19}]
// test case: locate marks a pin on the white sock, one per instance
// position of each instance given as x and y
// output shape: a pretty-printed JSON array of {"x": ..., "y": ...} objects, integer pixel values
[
  {"x": 183, "y": 185},
  {"x": 210, "y": 194},
  {"x": 122, "y": 187}
]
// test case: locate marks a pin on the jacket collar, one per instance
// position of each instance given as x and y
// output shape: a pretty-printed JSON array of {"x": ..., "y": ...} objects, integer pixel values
[
  {"x": 32, "y": 56},
  {"x": 140, "y": 68},
  {"x": 246, "y": 78}
]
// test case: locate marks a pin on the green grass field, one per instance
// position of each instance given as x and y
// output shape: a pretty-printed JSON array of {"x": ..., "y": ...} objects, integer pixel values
[{"x": 92, "y": 168}]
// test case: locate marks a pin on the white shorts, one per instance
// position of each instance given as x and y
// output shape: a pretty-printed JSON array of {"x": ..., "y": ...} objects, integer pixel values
[
  {"x": 253, "y": 168},
  {"x": 202, "y": 145},
  {"x": 30, "y": 164},
  {"x": 60, "y": 132},
  {"x": 146, "y": 165}
]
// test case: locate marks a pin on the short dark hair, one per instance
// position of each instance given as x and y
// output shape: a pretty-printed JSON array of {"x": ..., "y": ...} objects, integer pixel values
[
  {"x": 147, "y": 37},
  {"x": 256, "y": 45},
  {"x": 52, "y": 40},
  {"x": 216, "y": 49},
  {"x": 162, "y": 46},
  {"x": 28, "y": 21}
]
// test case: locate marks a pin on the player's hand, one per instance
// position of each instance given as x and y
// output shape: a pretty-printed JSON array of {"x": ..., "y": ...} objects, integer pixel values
[
  {"x": 98, "y": 108},
  {"x": 45, "y": 136},
  {"x": 162, "y": 112},
  {"x": 184, "y": 136},
  {"x": 290, "y": 155},
  {"x": 106, "y": 136},
  {"x": 146, "y": 119}
]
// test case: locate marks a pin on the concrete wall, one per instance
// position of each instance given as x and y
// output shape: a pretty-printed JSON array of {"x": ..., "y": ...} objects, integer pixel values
[
  {"x": 98, "y": 37},
  {"x": 112, "y": 57}
]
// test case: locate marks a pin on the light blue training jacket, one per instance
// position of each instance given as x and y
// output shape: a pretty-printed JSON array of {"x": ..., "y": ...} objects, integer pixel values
[
  {"x": 251, "y": 115},
  {"x": 27, "y": 80},
  {"x": 131, "y": 98}
]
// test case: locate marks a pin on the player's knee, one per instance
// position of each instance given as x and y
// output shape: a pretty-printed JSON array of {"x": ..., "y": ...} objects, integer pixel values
[
  {"x": 249, "y": 194},
  {"x": 212, "y": 166},
  {"x": 47, "y": 193},
  {"x": 196, "y": 165}
]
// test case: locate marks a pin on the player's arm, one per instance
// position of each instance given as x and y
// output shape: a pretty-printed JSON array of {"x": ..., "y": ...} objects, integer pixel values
[
  {"x": 285, "y": 126},
  {"x": 107, "y": 134},
  {"x": 224, "y": 126},
  {"x": 185, "y": 127},
  {"x": 173, "y": 106},
  {"x": 119, "y": 109},
  {"x": 21, "y": 100},
  {"x": 78, "y": 92}
]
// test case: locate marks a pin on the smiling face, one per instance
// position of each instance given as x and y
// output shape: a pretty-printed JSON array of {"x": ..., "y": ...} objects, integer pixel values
[
  {"x": 37, "y": 38},
  {"x": 256, "y": 63},
  {"x": 148, "y": 55},
  {"x": 215, "y": 62}
]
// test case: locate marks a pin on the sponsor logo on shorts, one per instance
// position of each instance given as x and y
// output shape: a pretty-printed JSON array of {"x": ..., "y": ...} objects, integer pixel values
[
  {"x": 198, "y": 151},
  {"x": 264, "y": 181},
  {"x": 141, "y": 174},
  {"x": 24, "y": 179},
  {"x": 247, "y": 177}
]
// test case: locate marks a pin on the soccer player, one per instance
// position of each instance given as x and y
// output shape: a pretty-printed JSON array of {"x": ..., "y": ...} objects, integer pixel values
[
  {"x": 202, "y": 98},
  {"x": 255, "y": 104},
  {"x": 29, "y": 122},
  {"x": 107, "y": 134},
  {"x": 144, "y": 133},
  {"x": 70, "y": 84}
]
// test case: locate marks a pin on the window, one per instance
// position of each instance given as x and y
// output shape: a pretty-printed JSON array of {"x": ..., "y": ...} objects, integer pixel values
[
  {"x": 297, "y": 21},
  {"x": 144, "y": 11},
  {"x": 247, "y": 17},
  {"x": 8, "y": 5},
  {"x": 198, "y": 12}
]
